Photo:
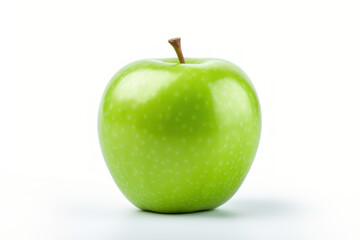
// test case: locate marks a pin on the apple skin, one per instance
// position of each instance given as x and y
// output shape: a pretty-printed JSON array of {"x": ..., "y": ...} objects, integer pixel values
[{"x": 179, "y": 137}]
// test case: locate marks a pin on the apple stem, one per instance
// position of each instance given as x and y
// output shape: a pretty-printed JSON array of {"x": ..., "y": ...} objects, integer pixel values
[{"x": 175, "y": 42}]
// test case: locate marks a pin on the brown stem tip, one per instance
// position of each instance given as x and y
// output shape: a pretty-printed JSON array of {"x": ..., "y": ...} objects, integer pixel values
[{"x": 176, "y": 43}]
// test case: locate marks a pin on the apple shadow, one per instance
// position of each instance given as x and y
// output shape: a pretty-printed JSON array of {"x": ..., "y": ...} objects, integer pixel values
[
  {"x": 235, "y": 208},
  {"x": 237, "y": 219}
]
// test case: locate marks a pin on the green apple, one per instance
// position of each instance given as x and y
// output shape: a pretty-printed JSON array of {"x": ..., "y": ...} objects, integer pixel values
[{"x": 179, "y": 137}]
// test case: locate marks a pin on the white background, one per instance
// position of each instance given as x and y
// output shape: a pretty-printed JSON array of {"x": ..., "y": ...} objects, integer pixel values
[{"x": 57, "y": 57}]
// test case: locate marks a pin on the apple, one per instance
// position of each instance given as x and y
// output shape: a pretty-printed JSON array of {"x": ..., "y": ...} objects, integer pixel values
[{"x": 179, "y": 135}]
